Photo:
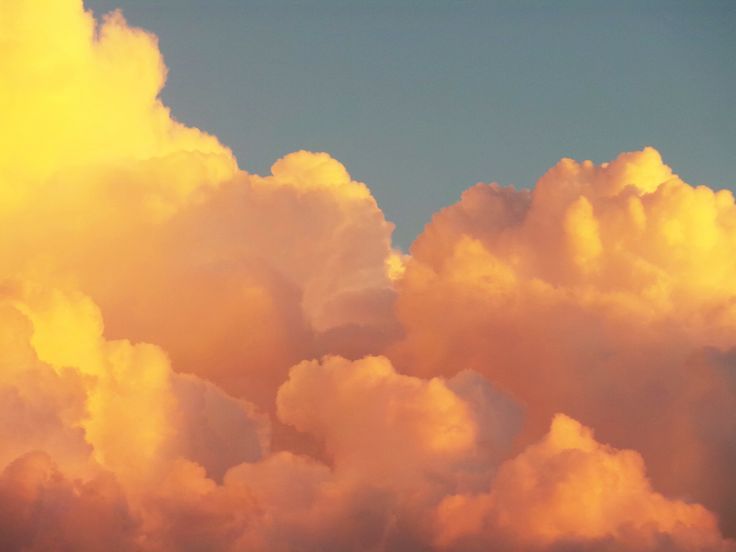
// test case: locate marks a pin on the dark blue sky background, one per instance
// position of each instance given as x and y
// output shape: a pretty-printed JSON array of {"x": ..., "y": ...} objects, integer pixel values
[{"x": 421, "y": 99}]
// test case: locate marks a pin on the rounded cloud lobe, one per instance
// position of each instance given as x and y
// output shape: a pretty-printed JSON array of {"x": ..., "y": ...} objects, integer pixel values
[{"x": 199, "y": 358}]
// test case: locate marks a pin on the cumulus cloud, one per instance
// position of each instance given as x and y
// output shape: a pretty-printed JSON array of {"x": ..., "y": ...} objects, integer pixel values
[
  {"x": 570, "y": 492},
  {"x": 113, "y": 403},
  {"x": 194, "y": 357},
  {"x": 42, "y": 509},
  {"x": 591, "y": 291},
  {"x": 155, "y": 222}
]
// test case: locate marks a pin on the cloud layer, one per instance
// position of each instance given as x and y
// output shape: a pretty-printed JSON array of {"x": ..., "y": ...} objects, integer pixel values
[{"x": 199, "y": 358}]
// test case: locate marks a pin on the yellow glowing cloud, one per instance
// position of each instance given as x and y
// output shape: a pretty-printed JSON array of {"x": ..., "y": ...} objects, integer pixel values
[
  {"x": 102, "y": 191},
  {"x": 76, "y": 96},
  {"x": 132, "y": 411}
]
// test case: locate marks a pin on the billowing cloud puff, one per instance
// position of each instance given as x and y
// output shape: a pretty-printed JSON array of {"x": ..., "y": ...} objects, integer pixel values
[
  {"x": 40, "y": 408},
  {"x": 373, "y": 415},
  {"x": 161, "y": 311},
  {"x": 78, "y": 98},
  {"x": 155, "y": 222},
  {"x": 112, "y": 404},
  {"x": 589, "y": 292},
  {"x": 624, "y": 243},
  {"x": 41, "y": 509},
  {"x": 569, "y": 492},
  {"x": 406, "y": 474}
]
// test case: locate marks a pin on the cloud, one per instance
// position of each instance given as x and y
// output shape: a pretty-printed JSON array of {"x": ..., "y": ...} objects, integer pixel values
[
  {"x": 168, "y": 461},
  {"x": 194, "y": 357},
  {"x": 77, "y": 96},
  {"x": 570, "y": 492},
  {"x": 587, "y": 293},
  {"x": 113, "y": 403},
  {"x": 41, "y": 509},
  {"x": 104, "y": 192}
]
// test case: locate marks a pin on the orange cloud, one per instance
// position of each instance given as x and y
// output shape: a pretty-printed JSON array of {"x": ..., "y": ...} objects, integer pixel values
[
  {"x": 590, "y": 292},
  {"x": 138, "y": 211},
  {"x": 41, "y": 509},
  {"x": 570, "y": 492},
  {"x": 161, "y": 311}
]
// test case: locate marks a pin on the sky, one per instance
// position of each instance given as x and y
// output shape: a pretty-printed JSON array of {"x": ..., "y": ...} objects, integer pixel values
[
  {"x": 209, "y": 339},
  {"x": 422, "y": 99}
]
